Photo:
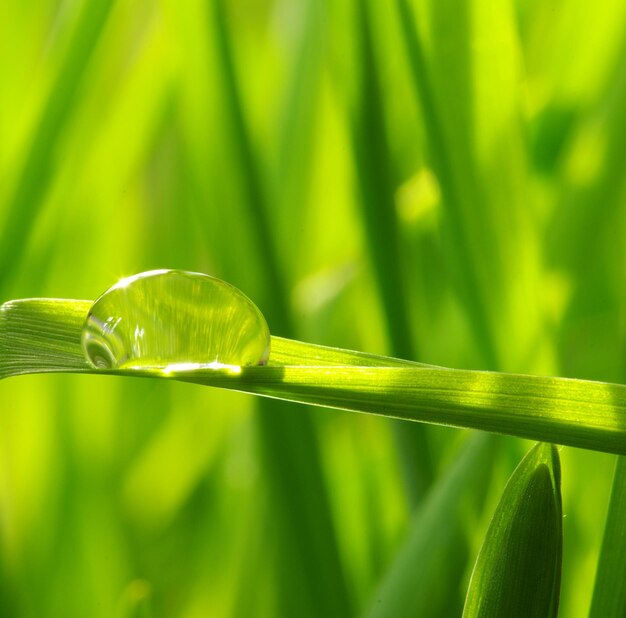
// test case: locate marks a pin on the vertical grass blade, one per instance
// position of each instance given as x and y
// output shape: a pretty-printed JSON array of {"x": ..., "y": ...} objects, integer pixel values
[
  {"x": 36, "y": 171},
  {"x": 518, "y": 570},
  {"x": 467, "y": 279},
  {"x": 254, "y": 190},
  {"x": 309, "y": 563},
  {"x": 372, "y": 158},
  {"x": 575, "y": 219},
  {"x": 609, "y": 594},
  {"x": 373, "y": 164},
  {"x": 299, "y": 126},
  {"x": 489, "y": 238},
  {"x": 432, "y": 560}
]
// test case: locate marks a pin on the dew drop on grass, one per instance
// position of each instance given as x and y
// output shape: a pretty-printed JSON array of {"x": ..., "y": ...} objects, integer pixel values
[{"x": 174, "y": 320}]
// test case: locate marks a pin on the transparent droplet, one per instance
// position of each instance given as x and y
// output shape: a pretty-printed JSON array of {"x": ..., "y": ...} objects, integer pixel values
[{"x": 174, "y": 320}]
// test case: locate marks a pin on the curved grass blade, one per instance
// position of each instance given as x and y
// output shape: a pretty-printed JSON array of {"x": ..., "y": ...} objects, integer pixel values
[
  {"x": 432, "y": 560},
  {"x": 577, "y": 413},
  {"x": 518, "y": 569},
  {"x": 40, "y": 335},
  {"x": 609, "y": 595},
  {"x": 43, "y": 335}
]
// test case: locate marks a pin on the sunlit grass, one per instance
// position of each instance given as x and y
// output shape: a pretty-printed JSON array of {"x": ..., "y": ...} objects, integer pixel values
[{"x": 271, "y": 146}]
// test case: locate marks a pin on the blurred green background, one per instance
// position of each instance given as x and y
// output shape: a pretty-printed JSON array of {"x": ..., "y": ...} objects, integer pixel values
[{"x": 432, "y": 179}]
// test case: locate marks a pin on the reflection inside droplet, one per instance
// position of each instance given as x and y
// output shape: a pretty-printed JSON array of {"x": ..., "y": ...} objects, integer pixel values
[{"x": 174, "y": 321}]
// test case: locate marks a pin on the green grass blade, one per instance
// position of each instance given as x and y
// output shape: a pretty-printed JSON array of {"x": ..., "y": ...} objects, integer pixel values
[
  {"x": 299, "y": 125},
  {"x": 378, "y": 210},
  {"x": 37, "y": 168},
  {"x": 575, "y": 219},
  {"x": 432, "y": 560},
  {"x": 289, "y": 443},
  {"x": 373, "y": 165},
  {"x": 255, "y": 197},
  {"x": 518, "y": 569},
  {"x": 43, "y": 335},
  {"x": 578, "y": 413},
  {"x": 442, "y": 162},
  {"x": 609, "y": 595},
  {"x": 292, "y": 352}
]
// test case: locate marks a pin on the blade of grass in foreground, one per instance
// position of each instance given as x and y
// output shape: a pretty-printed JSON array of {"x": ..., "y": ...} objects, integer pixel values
[
  {"x": 609, "y": 595},
  {"x": 518, "y": 570},
  {"x": 43, "y": 335}
]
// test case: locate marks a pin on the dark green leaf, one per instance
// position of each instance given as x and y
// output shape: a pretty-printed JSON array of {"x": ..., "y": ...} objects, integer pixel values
[{"x": 518, "y": 570}]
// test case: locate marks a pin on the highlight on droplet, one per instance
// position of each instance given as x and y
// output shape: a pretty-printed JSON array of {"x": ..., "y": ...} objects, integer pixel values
[{"x": 173, "y": 321}]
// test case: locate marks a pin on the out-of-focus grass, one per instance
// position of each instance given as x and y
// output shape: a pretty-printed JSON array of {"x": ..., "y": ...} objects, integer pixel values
[{"x": 126, "y": 147}]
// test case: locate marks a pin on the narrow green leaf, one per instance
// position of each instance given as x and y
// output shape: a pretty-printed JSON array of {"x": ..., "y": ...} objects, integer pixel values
[
  {"x": 256, "y": 203},
  {"x": 372, "y": 158},
  {"x": 518, "y": 569},
  {"x": 609, "y": 595},
  {"x": 43, "y": 335},
  {"x": 289, "y": 443},
  {"x": 37, "y": 167},
  {"x": 40, "y": 335},
  {"x": 432, "y": 560},
  {"x": 438, "y": 137}
]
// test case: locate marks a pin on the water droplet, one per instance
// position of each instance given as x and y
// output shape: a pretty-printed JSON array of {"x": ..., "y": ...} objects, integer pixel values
[{"x": 173, "y": 320}]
